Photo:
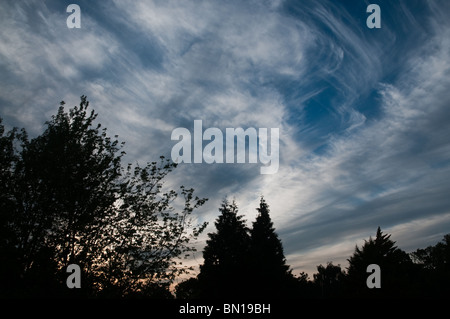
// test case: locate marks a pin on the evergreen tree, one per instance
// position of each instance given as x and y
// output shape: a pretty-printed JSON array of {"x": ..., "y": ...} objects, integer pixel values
[
  {"x": 224, "y": 273},
  {"x": 395, "y": 264},
  {"x": 270, "y": 273}
]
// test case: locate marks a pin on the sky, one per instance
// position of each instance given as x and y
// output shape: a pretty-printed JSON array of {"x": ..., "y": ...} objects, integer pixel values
[{"x": 363, "y": 113}]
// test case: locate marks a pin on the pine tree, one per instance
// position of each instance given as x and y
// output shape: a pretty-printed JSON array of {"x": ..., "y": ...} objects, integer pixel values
[
  {"x": 270, "y": 274},
  {"x": 224, "y": 273}
]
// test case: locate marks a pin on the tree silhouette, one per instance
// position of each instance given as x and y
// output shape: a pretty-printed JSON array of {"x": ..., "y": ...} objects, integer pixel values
[
  {"x": 66, "y": 199},
  {"x": 330, "y": 280},
  {"x": 224, "y": 273},
  {"x": 148, "y": 233},
  {"x": 11, "y": 258},
  {"x": 435, "y": 257},
  {"x": 60, "y": 190},
  {"x": 188, "y": 289},
  {"x": 434, "y": 262},
  {"x": 395, "y": 265},
  {"x": 271, "y": 276}
]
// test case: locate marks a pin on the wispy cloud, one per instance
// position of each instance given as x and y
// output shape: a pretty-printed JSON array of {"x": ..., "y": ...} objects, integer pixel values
[
  {"x": 362, "y": 113},
  {"x": 389, "y": 172}
]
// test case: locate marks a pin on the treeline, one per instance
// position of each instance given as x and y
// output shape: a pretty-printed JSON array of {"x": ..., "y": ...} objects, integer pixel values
[
  {"x": 66, "y": 199},
  {"x": 250, "y": 264}
]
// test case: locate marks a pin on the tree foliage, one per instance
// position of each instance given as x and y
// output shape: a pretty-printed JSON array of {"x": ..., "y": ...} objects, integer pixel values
[
  {"x": 266, "y": 248},
  {"x": 435, "y": 257},
  {"x": 434, "y": 261},
  {"x": 225, "y": 256},
  {"x": 329, "y": 279},
  {"x": 242, "y": 262},
  {"x": 424, "y": 274},
  {"x": 67, "y": 199},
  {"x": 395, "y": 263},
  {"x": 271, "y": 276},
  {"x": 146, "y": 235}
]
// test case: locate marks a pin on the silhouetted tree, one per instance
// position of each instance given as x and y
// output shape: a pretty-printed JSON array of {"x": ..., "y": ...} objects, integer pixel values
[
  {"x": 10, "y": 257},
  {"x": 61, "y": 190},
  {"x": 434, "y": 262},
  {"x": 188, "y": 289},
  {"x": 224, "y": 273},
  {"x": 397, "y": 269},
  {"x": 66, "y": 199},
  {"x": 329, "y": 280},
  {"x": 435, "y": 257},
  {"x": 271, "y": 276},
  {"x": 148, "y": 234}
]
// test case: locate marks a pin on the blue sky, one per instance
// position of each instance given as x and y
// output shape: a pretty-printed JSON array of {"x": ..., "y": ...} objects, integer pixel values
[{"x": 363, "y": 113}]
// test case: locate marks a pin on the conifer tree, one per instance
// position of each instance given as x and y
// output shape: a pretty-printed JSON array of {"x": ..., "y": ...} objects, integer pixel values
[
  {"x": 270, "y": 274},
  {"x": 394, "y": 263},
  {"x": 224, "y": 273}
]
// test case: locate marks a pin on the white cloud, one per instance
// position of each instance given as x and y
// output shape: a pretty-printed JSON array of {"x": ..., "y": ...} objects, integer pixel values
[
  {"x": 378, "y": 169},
  {"x": 228, "y": 64}
]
